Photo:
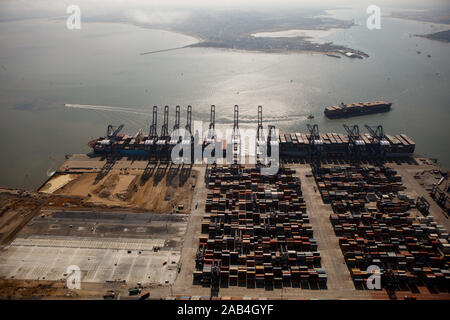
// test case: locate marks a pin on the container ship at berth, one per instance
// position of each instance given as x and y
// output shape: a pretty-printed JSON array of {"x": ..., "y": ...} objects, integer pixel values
[
  {"x": 365, "y": 145},
  {"x": 356, "y": 109},
  {"x": 339, "y": 145}
]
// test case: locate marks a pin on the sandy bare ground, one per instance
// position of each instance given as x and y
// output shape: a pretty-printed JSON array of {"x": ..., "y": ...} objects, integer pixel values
[
  {"x": 14, "y": 215},
  {"x": 57, "y": 182},
  {"x": 160, "y": 193},
  {"x": 33, "y": 289}
]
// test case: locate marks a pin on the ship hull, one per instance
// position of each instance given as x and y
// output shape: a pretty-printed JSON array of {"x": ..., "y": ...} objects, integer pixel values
[
  {"x": 133, "y": 152},
  {"x": 123, "y": 152}
]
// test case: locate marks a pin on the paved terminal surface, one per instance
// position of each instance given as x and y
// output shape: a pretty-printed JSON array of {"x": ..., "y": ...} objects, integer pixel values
[
  {"x": 106, "y": 246},
  {"x": 190, "y": 245},
  {"x": 339, "y": 279},
  {"x": 414, "y": 188}
]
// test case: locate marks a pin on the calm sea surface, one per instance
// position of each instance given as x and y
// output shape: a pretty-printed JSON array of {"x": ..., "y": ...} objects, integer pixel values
[{"x": 44, "y": 66}]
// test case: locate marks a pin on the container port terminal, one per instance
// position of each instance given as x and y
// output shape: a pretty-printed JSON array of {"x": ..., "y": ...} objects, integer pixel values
[
  {"x": 353, "y": 143},
  {"x": 141, "y": 226}
]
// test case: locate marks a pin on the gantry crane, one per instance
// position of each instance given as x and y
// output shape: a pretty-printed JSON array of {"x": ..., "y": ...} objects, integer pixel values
[
  {"x": 273, "y": 148},
  {"x": 188, "y": 138},
  {"x": 315, "y": 142},
  {"x": 111, "y": 137},
  {"x": 189, "y": 120},
  {"x": 272, "y": 140},
  {"x": 260, "y": 135},
  {"x": 165, "y": 127},
  {"x": 176, "y": 125},
  {"x": 441, "y": 197},
  {"x": 150, "y": 142},
  {"x": 163, "y": 139},
  {"x": 379, "y": 145},
  {"x": 175, "y": 139},
  {"x": 211, "y": 135},
  {"x": 236, "y": 136},
  {"x": 113, "y": 131},
  {"x": 153, "y": 135},
  {"x": 355, "y": 143},
  {"x": 261, "y": 146},
  {"x": 212, "y": 119}
]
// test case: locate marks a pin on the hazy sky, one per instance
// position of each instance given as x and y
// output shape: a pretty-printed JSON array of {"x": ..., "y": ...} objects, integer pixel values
[{"x": 168, "y": 10}]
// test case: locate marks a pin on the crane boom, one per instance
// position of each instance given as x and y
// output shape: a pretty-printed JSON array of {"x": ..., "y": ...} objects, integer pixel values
[
  {"x": 112, "y": 131},
  {"x": 153, "y": 134},
  {"x": 377, "y": 133},
  {"x": 353, "y": 131},
  {"x": 212, "y": 122},
  {"x": 260, "y": 125},
  {"x": 189, "y": 120},
  {"x": 314, "y": 132},
  {"x": 176, "y": 126},
  {"x": 165, "y": 126}
]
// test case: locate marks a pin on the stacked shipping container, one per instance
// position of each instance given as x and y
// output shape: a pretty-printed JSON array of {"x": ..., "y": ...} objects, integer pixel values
[
  {"x": 257, "y": 231},
  {"x": 409, "y": 250}
]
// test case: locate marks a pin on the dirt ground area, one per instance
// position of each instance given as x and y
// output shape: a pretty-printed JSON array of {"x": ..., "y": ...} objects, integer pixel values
[
  {"x": 33, "y": 289},
  {"x": 18, "y": 207},
  {"x": 160, "y": 193},
  {"x": 427, "y": 178},
  {"x": 422, "y": 293},
  {"x": 26, "y": 289},
  {"x": 15, "y": 213},
  {"x": 14, "y": 289}
]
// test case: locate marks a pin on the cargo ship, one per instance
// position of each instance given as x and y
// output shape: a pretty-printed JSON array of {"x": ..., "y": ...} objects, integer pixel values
[
  {"x": 125, "y": 145},
  {"x": 337, "y": 144},
  {"x": 356, "y": 109}
]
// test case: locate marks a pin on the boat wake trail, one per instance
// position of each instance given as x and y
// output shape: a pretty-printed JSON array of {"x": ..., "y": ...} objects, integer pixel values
[
  {"x": 268, "y": 119},
  {"x": 223, "y": 120},
  {"x": 109, "y": 108}
]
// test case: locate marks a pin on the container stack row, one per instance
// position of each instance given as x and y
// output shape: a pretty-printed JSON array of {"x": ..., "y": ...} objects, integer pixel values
[
  {"x": 256, "y": 231},
  {"x": 376, "y": 226}
]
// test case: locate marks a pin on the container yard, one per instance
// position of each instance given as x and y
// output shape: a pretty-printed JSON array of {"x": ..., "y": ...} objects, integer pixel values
[
  {"x": 377, "y": 223},
  {"x": 140, "y": 226},
  {"x": 257, "y": 232}
]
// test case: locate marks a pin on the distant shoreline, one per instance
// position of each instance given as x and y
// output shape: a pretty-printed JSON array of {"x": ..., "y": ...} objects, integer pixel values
[
  {"x": 396, "y": 15},
  {"x": 214, "y": 33},
  {"x": 331, "y": 54},
  {"x": 441, "y": 36}
]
